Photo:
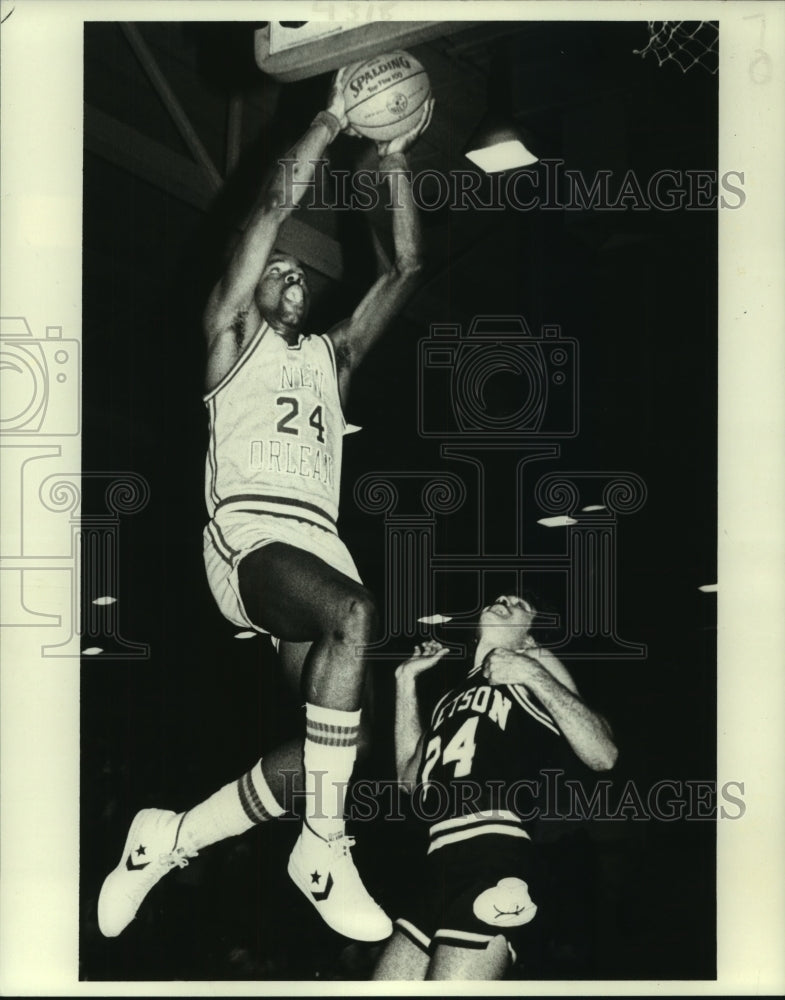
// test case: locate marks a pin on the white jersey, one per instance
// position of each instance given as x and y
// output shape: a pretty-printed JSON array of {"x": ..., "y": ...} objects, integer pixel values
[{"x": 276, "y": 432}]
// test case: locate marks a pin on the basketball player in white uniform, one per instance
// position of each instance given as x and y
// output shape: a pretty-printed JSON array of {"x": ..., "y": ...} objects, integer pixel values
[
  {"x": 274, "y": 560},
  {"x": 514, "y": 709}
]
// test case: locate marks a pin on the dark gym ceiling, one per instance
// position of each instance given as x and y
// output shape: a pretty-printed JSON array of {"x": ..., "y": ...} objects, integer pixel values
[{"x": 184, "y": 107}]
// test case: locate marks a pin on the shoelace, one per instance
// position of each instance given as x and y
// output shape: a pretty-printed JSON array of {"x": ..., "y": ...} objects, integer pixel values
[
  {"x": 178, "y": 857},
  {"x": 343, "y": 862},
  {"x": 342, "y": 845}
]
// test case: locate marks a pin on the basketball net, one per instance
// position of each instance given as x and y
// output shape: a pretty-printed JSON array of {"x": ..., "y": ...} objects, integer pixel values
[{"x": 687, "y": 43}]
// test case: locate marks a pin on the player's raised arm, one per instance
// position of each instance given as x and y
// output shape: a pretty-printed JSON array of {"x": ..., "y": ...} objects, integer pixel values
[
  {"x": 231, "y": 306},
  {"x": 408, "y": 728},
  {"x": 354, "y": 336}
]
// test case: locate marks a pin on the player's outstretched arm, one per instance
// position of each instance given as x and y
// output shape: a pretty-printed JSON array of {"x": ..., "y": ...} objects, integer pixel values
[
  {"x": 353, "y": 337},
  {"x": 545, "y": 675},
  {"x": 231, "y": 305},
  {"x": 408, "y": 729}
]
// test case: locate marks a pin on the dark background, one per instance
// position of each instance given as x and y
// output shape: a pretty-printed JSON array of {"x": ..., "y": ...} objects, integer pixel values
[{"x": 630, "y": 899}]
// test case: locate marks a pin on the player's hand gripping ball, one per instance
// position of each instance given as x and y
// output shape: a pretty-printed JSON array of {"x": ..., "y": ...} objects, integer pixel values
[{"x": 403, "y": 142}]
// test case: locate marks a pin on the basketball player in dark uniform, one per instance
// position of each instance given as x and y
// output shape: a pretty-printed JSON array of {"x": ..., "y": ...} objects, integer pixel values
[
  {"x": 273, "y": 556},
  {"x": 513, "y": 712}
]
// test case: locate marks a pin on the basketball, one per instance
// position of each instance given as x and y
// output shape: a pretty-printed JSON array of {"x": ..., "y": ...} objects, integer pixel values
[{"x": 383, "y": 96}]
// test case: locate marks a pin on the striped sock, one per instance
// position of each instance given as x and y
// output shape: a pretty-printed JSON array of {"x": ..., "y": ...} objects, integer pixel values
[
  {"x": 328, "y": 757},
  {"x": 231, "y": 810}
]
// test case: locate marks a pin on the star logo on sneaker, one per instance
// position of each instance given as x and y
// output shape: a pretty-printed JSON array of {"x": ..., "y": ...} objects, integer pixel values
[
  {"x": 155, "y": 833},
  {"x": 323, "y": 870},
  {"x": 320, "y": 896},
  {"x": 141, "y": 851}
]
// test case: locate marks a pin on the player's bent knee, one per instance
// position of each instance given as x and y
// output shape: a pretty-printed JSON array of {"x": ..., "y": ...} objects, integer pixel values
[{"x": 354, "y": 617}]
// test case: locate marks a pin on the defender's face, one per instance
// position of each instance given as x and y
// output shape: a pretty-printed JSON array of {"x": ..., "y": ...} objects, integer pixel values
[
  {"x": 282, "y": 294},
  {"x": 509, "y": 612}
]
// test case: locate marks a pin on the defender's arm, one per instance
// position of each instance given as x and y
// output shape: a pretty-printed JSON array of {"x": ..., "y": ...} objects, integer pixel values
[
  {"x": 545, "y": 675},
  {"x": 408, "y": 729}
]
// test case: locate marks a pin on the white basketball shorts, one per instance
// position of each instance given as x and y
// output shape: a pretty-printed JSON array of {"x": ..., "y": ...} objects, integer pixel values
[{"x": 234, "y": 534}]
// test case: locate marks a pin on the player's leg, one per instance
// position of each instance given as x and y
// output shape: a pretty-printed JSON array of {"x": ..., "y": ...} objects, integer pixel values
[
  {"x": 283, "y": 767},
  {"x": 303, "y": 595},
  {"x": 485, "y": 963},
  {"x": 297, "y": 596},
  {"x": 159, "y": 840},
  {"x": 482, "y": 893},
  {"x": 403, "y": 957},
  {"x": 292, "y": 656}
]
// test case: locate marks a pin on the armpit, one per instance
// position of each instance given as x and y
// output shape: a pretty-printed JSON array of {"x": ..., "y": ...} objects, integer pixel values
[
  {"x": 343, "y": 357},
  {"x": 237, "y": 326}
]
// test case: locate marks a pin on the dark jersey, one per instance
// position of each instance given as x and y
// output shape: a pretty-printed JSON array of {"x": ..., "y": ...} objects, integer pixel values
[{"x": 484, "y": 751}]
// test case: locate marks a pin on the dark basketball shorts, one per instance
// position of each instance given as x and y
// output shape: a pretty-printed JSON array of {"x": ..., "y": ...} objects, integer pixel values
[{"x": 475, "y": 890}]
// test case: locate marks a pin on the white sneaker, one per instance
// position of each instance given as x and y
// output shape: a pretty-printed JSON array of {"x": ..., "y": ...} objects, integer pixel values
[
  {"x": 324, "y": 871},
  {"x": 150, "y": 851}
]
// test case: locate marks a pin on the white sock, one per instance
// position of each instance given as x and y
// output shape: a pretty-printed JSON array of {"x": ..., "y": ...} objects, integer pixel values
[
  {"x": 231, "y": 810},
  {"x": 328, "y": 757}
]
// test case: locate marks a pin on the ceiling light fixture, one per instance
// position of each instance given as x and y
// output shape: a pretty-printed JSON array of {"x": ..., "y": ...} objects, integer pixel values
[{"x": 498, "y": 144}]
